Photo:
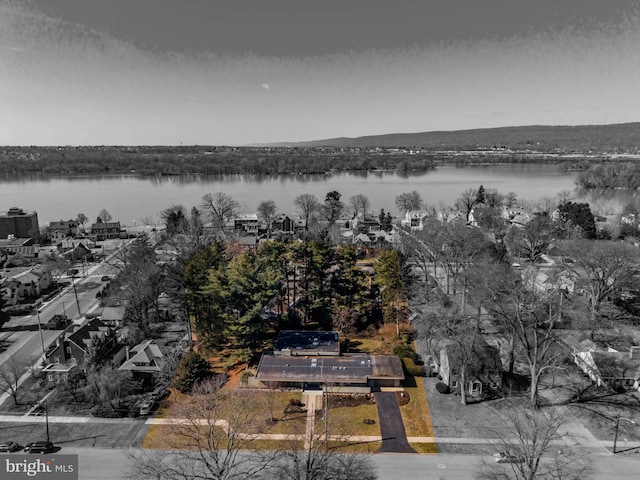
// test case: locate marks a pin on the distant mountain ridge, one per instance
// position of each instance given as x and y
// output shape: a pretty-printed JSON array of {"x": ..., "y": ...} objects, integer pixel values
[{"x": 621, "y": 138}]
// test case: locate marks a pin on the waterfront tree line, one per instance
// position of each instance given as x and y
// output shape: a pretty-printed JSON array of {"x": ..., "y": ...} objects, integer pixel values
[
  {"x": 624, "y": 175},
  {"x": 146, "y": 161}
]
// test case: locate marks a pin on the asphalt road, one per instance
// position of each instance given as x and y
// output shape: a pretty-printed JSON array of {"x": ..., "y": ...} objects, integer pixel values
[
  {"x": 114, "y": 464},
  {"x": 21, "y": 334}
]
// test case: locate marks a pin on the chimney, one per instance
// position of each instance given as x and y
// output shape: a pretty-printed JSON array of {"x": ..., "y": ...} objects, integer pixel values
[
  {"x": 634, "y": 352},
  {"x": 126, "y": 352}
]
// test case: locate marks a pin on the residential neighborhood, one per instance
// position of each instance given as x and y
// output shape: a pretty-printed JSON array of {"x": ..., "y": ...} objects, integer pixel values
[{"x": 342, "y": 306}]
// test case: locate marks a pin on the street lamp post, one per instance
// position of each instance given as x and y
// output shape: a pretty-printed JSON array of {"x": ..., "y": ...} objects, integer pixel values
[{"x": 615, "y": 438}]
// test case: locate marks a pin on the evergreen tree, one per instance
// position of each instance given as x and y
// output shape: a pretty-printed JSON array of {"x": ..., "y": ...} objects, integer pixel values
[
  {"x": 192, "y": 369},
  {"x": 480, "y": 195}
]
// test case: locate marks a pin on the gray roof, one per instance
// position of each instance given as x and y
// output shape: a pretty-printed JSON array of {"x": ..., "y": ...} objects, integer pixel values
[
  {"x": 303, "y": 342},
  {"x": 353, "y": 369}
]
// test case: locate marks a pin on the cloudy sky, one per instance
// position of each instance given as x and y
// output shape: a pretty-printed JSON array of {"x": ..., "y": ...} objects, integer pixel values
[{"x": 88, "y": 72}]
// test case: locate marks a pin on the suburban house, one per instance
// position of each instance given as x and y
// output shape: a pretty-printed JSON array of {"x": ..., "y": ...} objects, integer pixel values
[
  {"x": 484, "y": 371},
  {"x": 32, "y": 280},
  {"x": 12, "y": 291},
  {"x": 79, "y": 253},
  {"x": 96, "y": 338},
  {"x": 247, "y": 223},
  {"x": 617, "y": 370},
  {"x": 547, "y": 279},
  {"x": 105, "y": 230},
  {"x": 312, "y": 360},
  {"x": 414, "y": 219},
  {"x": 63, "y": 229},
  {"x": 364, "y": 223},
  {"x": 143, "y": 361},
  {"x": 285, "y": 224}
]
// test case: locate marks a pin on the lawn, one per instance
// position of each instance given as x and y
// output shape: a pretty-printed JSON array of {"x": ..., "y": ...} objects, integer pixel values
[
  {"x": 415, "y": 414},
  {"x": 363, "y": 345},
  {"x": 349, "y": 421},
  {"x": 417, "y": 418}
]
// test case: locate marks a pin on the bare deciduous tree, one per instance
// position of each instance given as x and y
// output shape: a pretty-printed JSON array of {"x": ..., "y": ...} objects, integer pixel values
[
  {"x": 466, "y": 201},
  {"x": 104, "y": 216},
  {"x": 11, "y": 373},
  {"x": 266, "y": 212},
  {"x": 318, "y": 456},
  {"x": 308, "y": 205},
  {"x": 220, "y": 208},
  {"x": 82, "y": 219},
  {"x": 527, "y": 316},
  {"x": 359, "y": 204},
  {"x": 535, "y": 438},
  {"x": 601, "y": 268},
  {"x": 408, "y": 201},
  {"x": 212, "y": 432}
]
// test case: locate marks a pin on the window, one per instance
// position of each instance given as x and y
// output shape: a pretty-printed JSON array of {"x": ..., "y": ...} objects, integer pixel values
[
  {"x": 629, "y": 382},
  {"x": 454, "y": 384}
]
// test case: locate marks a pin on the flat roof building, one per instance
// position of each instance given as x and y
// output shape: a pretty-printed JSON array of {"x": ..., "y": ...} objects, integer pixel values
[
  {"x": 304, "y": 342},
  {"x": 19, "y": 223},
  {"x": 349, "y": 370}
]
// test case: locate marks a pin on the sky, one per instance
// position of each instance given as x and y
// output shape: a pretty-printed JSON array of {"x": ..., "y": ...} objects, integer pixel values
[{"x": 241, "y": 72}]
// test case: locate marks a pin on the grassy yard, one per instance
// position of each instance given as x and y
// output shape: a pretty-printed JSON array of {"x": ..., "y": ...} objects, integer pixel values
[
  {"x": 363, "y": 345},
  {"x": 417, "y": 418},
  {"x": 350, "y": 421}
]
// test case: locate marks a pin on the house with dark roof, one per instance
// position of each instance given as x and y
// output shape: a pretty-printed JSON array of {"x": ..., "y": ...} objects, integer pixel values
[
  {"x": 32, "y": 280},
  {"x": 106, "y": 230},
  {"x": 96, "y": 338},
  {"x": 143, "y": 361},
  {"x": 312, "y": 360},
  {"x": 483, "y": 373},
  {"x": 617, "y": 370},
  {"x": 63, "y": 229}
]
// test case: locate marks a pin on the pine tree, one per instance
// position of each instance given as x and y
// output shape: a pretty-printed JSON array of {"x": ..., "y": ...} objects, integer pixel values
[
  {"x": 480, "y": 195},
  {"x": 192, "y": 369}
]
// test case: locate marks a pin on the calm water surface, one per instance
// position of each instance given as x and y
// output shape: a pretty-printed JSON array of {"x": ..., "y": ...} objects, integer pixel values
[{"x": 130, "y": 199}]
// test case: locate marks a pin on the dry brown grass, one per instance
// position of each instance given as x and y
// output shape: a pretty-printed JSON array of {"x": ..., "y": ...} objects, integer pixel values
[
  {"x": 349, "y": 421},
  {"x": 415, "y": 414}
]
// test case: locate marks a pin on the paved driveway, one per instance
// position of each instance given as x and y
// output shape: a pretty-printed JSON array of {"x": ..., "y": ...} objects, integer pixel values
[{"x": 394, "y": 437}]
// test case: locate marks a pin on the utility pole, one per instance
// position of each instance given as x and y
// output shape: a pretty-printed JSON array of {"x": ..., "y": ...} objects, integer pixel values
[
  {"x": 40, "y": 330},
  {"x": 73, "y": 282}
]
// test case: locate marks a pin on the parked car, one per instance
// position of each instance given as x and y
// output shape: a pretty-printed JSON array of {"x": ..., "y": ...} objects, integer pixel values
[
  {"x": 9, "y": 447},
  {"x": 57, "y": 322},
  {"x": 159, "y": 393},
  {"x": 41, "y": 446},
  {"x": 146, "y": 408},
  {"x": 507, "y": 457},
  {"x": 73, "y": 271}
]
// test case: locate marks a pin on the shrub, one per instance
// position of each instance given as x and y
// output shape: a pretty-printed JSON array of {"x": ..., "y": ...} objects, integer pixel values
[
  {"x": 405, "y": 351},
  {"x": 413, "y": 369},
  {"x": 442, "y": 387}
]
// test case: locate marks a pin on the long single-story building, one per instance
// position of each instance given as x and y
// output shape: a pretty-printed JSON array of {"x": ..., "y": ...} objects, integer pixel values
[
  {"x": 349, "y": 372},
  {"x": 312, "y": 360}
]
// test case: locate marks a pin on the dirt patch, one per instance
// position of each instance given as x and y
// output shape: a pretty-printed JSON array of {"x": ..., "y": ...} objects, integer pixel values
[
  {"x": 337, "y": 401},
  {"x": 234, "y": 377},
  {"x": 403, "y": 398}
]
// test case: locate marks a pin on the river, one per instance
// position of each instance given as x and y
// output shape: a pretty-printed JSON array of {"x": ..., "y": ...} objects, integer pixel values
[{"x": 132, "y": 200}]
